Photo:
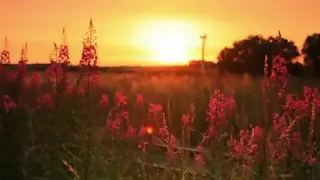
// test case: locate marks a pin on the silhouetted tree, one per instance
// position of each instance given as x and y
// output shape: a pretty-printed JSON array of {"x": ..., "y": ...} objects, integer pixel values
[
  {"x": 197, "y": 64},
  {"x": 296, "y": 69},
  {"x": 311, "y": 50},
  {"x": 228, "y": 60},
  {"x": 248, "y": 55}
]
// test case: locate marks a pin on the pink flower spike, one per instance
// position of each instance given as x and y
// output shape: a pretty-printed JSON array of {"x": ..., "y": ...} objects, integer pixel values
[{"x": 104, "y": 101}]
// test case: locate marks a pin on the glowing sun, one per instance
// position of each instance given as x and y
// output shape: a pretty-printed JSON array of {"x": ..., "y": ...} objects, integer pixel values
[{"x": 171, "y": 42}]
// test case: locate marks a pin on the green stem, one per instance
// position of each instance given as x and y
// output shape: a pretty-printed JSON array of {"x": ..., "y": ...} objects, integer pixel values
[{"x": 87, "y": 133}]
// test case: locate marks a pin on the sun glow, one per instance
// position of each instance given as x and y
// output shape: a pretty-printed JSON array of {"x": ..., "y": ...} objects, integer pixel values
[{"x": 170, "y": 42}]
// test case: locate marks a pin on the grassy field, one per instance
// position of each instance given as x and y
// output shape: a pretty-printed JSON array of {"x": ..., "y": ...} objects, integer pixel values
[{"x": 140, "y": 126}]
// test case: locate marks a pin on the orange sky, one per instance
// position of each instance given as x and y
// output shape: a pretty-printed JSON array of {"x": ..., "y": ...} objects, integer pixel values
[{"x": 122, "y": 25}]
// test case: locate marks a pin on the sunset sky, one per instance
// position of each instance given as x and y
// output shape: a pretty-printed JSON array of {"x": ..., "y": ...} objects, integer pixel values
[{"x": 141, "y": 32}]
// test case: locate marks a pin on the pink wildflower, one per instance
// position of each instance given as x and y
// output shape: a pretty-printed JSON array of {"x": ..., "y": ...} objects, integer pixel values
[
  {"x": 22, "y": 63},
  {"x": 257, "y": 133},
  {"x": 64, "y": 54},
  {"x": 279, "y": 70},
  {"x": 55, "y": 72},
  {"x": 5, "y": 54},
  {"x": 309, "y": 94},
  {"x": 130, "y": 132},
  {"x": 200, "y": 148},
  {"x": 155, "y": 109},
  {"x": 8, "y": 103},
  {"x": 172, "y": 141},
  {"x": 220, "y": 106},
  {"x": 142, "y": 131},
  {"x": 162, "y": 132},
  {"x": 35, "y": 80},
  {"x": 279, "y": 74},
  {"x": 115, "y": 124},
  {"x": 199, "y": 159},
  {"x": 81, "y": 90},
  {"x": 139, "y": 99},
  {"x": 89, "y": 57},
  {"x": 293, "y": 106},
  {"x": 5, "y": 57},
  {"x": 69, "y": 89},
  {"x": 47, "y": 99},
  {"x": 120, "y": 99},
  {"x": 247, "y": 143},
  {"x": 104, "y": 101},
  {"x": 185, "y": 120}
]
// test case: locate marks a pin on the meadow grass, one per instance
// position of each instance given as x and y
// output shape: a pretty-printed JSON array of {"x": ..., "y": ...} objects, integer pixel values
[{"x": 52, "y": 133}]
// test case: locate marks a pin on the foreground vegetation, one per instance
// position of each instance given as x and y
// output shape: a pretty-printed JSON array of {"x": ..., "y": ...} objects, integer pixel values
[
  {"x": 96, "y": 126},
  {"x": 130, "y": 127}
]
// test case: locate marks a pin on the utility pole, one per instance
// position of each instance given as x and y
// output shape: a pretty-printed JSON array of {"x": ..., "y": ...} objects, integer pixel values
[{"x": 203, "y": 39}]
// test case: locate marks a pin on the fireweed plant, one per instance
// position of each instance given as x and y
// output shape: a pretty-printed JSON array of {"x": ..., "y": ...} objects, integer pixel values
[{"x": 52, "y": 127}]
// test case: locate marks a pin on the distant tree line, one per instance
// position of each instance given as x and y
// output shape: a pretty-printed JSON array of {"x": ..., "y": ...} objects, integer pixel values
[
  {"x": 244, "y": 56},
  {"x": 248, "y": 55}
]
